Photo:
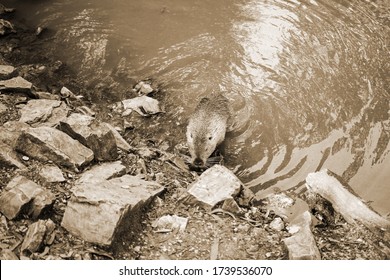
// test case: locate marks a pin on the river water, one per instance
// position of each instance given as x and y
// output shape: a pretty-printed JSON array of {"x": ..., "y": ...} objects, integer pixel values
[{"x": 308, "y": 80}]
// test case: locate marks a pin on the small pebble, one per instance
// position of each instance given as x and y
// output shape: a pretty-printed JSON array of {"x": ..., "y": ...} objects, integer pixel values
[{"x": 25, "y": 158}]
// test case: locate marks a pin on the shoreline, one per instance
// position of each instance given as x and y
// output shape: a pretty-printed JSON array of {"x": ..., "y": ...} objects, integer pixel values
[{"x": 251, "y": 232}]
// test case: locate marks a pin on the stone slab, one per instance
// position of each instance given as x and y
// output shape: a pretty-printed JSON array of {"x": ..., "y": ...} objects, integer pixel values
[
  {"x": 98, "y": 212},
  {"x": 215, "y": 185},
  {"x": 102, "y": 172},
  {"x": 46, "y": 143},
  {"x": 43, "y": 112},
  {"x": 17, "y": 84}
]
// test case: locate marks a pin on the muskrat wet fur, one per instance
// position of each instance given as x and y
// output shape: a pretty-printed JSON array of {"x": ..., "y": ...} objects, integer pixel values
[{"x": 207, "y": 128}]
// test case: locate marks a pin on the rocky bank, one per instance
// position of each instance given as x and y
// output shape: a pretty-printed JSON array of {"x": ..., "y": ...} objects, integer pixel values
[{"x": 76, "y": 185}]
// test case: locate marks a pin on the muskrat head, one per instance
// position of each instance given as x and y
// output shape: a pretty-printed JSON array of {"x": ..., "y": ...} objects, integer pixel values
[{"x": 203, "y": 137}]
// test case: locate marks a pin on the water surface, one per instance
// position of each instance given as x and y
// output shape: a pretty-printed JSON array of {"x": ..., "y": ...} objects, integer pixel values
[{"x": 308, "y": 80}]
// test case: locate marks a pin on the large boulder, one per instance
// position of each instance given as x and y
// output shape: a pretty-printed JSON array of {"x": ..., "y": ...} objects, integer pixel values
[
  {"x": 46, "y": 143},
  {"x": 100, "y": 212}
]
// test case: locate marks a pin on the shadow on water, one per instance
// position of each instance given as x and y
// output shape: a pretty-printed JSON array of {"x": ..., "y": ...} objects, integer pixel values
[{"x": 308, "y": 79}]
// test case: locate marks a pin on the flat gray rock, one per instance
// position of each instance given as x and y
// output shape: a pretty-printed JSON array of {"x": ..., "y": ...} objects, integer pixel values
[
  {"x": 102, "y": 172},
  {"x": 143, "y": 105},
  {"x": 215, "y": 185},
  {"x": 93, "y": 134},
  {"x": 301, "y": 245},
  {"x": 46, "y": 143},
  {"x": 51, "y": 174},
  {"x": 17, "y": 84},
  {"x": 23, "y": 195},
  {"x": 43, "y": 112},
  {"x": 101, "y": 212},
  {"x": 6, "y": 72}
]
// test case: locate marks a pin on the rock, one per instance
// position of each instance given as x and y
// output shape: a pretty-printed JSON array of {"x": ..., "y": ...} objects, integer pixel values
[
  {"x": 7, "y": 254},
  {"x": 277, "y": 224},
  {"x": 143, "y": 105},
  {"x": 170, "y": 223},
  {"x": 343, "y": 201},
  {"x": 17, "y": 84},
  {"x": 120, "y": 142},
  {"x": 143, "y": 88},
  {"x": 51, "y": 174},
  {"x": 216, "y": 184},
  {"x": 8, "y": 157},
  {"x": 43, "y": 112},
  {"x": 66, "y": 93},
  {"x": 36, "y": 236},
  {"x": 301, "y": 245},
  {"x": 9, "y": 134},
  {"x": 23, "y": 195},
  {"x": 6, "y": 27},
  {"x": 93, "y": 134},
  {"x": 46, "y": 143},
  {"x": 102, "y": 172},
  {"x": 7, "y": 72},
  {"x": 102, "y": 212}
]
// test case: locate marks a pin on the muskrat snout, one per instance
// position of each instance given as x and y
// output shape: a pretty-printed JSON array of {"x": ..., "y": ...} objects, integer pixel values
[{"x": 198, "y": 162}]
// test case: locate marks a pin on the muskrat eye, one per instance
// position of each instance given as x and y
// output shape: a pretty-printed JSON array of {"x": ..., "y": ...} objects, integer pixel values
[{"x": 210, "y": 137}]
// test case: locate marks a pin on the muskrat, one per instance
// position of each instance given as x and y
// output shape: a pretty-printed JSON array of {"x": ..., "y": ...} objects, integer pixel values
[{"x": 207, "y": 127}]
